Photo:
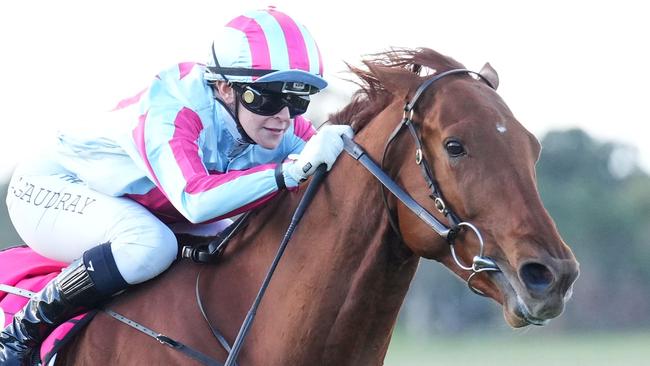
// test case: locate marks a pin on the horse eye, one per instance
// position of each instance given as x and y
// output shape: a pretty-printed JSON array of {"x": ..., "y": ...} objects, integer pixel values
[{"x": 454, "y": 148}]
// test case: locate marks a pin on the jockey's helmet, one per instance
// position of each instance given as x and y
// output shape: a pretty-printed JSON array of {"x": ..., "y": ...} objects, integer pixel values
[{"x": 267, "y": 46}]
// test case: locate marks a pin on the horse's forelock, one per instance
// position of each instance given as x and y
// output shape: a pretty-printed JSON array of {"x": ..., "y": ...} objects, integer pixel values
[{"x": 378, "y": 80}]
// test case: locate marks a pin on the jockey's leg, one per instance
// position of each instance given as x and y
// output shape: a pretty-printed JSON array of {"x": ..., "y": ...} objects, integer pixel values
[
  {"x": 81, "y": 286},
  {"x": 137, "y": 247}
]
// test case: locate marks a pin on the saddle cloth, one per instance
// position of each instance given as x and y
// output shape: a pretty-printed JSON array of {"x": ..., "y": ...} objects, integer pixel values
[{"x": 21, "y": 267}]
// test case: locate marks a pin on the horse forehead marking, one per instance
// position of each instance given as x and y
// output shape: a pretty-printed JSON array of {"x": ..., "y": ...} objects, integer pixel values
[{"x": 501, "y": 127}]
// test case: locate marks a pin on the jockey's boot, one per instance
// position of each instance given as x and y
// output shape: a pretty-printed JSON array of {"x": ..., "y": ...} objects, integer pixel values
[{"x": 71, "y": 293}]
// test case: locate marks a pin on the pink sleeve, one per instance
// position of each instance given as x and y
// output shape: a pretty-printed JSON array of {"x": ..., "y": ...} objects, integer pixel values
[
  {"x": 168, "y": 144},
  {"x": 303, "y": 128}
]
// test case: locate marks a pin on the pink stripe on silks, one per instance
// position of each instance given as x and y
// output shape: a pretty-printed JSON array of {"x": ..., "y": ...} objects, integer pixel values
[
  {"x": 204, "y": 183},
  {"x": 186, "y": 152},
  {"x": 187, "y": 128},
  {"x": 129, "y": 101},
  {"x": 139, "y": 138},
  {"x": 303, "y": 128},
  {"x": 260, "y": 55},
  {"x": 156, "y": 202},
  {"x": 185, "y": 68},
  {"x": 298, "y": 55},
  {"x": 247, "y": 207}
]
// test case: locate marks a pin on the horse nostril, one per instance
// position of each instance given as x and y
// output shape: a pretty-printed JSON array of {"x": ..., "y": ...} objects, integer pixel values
[{"x": 537, "y": 277}]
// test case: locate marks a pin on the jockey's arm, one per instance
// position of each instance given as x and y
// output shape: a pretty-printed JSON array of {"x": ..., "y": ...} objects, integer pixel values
[{"x": 169, "y": 148}]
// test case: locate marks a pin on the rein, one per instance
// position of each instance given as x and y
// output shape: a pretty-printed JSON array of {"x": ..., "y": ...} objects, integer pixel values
[
  {"x": 306, "y": 199},
  {"x": 480, "y": 262}
]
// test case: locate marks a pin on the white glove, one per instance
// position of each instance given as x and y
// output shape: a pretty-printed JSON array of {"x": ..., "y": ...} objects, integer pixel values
[{"x": 323, "y": 148}]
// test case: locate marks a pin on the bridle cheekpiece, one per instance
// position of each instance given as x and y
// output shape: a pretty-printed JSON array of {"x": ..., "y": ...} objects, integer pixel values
[{"x": 480, "y": 262}]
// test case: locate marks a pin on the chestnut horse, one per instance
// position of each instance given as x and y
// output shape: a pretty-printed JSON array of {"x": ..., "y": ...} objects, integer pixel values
[{"x": 336, "y": 293}]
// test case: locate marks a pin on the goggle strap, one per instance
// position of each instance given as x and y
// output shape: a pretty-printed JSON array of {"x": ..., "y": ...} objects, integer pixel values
[{"x": 234, "y": 71}]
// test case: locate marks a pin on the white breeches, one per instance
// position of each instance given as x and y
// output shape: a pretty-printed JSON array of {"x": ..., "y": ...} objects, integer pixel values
[{"x": 59, "y": 217}]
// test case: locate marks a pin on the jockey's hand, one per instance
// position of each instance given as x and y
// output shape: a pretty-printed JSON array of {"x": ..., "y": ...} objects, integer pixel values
[{"x": 322, "y": 148}]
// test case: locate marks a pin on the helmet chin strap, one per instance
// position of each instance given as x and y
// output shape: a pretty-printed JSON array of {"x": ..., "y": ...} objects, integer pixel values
[
  {"x": 243, "y": 133},
  {"x": 235, "y": 116}
]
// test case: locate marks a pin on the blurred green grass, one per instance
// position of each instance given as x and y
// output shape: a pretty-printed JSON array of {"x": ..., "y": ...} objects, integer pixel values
[{"x": 529, "y": 349}]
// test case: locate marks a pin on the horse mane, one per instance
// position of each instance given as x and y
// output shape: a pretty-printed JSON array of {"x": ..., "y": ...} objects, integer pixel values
[{"x": 383, "y": 70}]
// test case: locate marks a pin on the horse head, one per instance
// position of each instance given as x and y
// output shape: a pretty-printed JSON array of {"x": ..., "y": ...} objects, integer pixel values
[{"x": 483, "y": 163}]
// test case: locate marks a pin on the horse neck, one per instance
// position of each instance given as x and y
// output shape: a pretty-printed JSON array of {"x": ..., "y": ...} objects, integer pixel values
[
  {"x": 337, "y": 291},
  {"x": 365, "y": 270}
]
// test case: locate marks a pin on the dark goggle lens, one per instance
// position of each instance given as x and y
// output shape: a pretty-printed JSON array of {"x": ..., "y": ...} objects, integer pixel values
[
  {"x": 270, "y": 103},
  {"x": 297, "y": 104}
]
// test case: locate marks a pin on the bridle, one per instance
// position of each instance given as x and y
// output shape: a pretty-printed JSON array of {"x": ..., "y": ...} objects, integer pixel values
[{"x": 480, "y": 262}]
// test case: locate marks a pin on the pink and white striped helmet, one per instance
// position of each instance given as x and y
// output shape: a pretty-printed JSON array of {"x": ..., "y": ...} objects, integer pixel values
[{"x": 265, "y": 46}]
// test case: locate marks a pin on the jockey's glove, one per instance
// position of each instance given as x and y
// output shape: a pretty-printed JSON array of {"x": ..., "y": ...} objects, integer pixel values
[{"x": 322, "y": 148}]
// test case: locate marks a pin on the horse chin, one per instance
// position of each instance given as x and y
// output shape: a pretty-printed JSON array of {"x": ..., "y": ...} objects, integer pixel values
[{"x": 515, "y": 311}]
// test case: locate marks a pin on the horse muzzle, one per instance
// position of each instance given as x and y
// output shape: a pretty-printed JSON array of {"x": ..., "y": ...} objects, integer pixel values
[{"x": 537, "y": 292}]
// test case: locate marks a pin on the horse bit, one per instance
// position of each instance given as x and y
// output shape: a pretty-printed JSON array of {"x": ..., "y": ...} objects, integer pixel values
[{"x": 480, "y": 262}]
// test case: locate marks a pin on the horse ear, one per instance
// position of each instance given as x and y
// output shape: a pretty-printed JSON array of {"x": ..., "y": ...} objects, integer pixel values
[
  {"x": 394, "y": 79},
  {"x": 490, "y": 75}
]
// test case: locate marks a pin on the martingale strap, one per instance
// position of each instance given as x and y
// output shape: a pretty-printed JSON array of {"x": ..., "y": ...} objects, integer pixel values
[
  {"x": 215, "y": 332},
  {"x": 17, "y": 291},
  {"x": 163, "y": 339},
  {"x": 167, "y": 341}
]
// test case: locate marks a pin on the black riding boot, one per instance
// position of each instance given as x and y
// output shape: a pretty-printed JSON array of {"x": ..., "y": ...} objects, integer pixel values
[{"x": 71, "y": 293}]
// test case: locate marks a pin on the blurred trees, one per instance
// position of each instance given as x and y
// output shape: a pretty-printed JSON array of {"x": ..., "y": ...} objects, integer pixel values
[{"x": 600, "y": 200}]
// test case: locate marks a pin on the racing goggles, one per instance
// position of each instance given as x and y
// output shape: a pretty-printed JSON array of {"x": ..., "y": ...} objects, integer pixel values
[{"x": 267, "y": 102}]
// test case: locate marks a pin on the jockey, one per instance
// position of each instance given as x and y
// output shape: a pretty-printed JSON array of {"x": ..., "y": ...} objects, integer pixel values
[{"x": 202, "y": 143}]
